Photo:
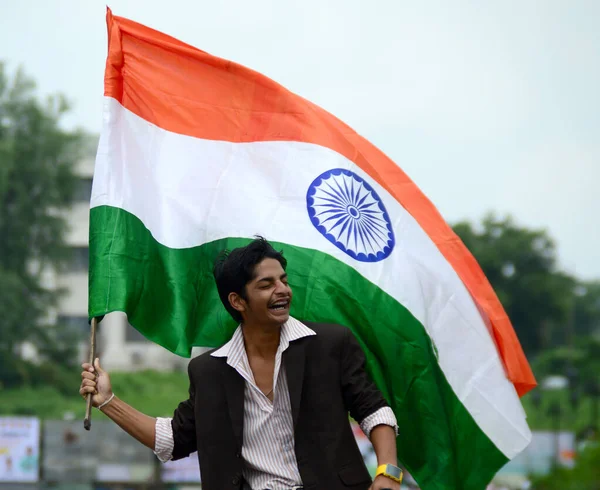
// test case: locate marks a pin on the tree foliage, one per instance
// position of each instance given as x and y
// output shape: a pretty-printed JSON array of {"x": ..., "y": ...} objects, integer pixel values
[
  {"x": 586, "y": 315},
  {"x": 584, "y": 476},
  {"x": 544, "y": 304},
  {"x": 37, "y": 182}
]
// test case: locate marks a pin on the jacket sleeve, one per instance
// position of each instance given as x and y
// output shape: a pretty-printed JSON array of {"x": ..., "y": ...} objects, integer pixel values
[
  {"x": 184, "y": 424},
  {"x": 361, "y": 396}
]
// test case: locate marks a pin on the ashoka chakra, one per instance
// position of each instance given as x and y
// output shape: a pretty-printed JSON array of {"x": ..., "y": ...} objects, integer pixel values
[{"x": 348, "y": 212}]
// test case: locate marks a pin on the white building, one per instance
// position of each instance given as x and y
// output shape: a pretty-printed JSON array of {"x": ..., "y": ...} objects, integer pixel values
[{"x": 119, "y": 346}]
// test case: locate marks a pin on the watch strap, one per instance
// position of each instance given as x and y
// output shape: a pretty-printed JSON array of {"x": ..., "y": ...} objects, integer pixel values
[{"x": 390, "y": 471}]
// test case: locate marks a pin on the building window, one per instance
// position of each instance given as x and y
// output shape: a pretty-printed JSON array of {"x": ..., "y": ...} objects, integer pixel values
[
  {"x": 83, "y": 190},
  {"x": 79, "y": 259}
]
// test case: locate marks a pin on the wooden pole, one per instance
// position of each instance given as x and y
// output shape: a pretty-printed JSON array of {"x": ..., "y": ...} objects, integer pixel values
[{"x": 87, "y": 421}]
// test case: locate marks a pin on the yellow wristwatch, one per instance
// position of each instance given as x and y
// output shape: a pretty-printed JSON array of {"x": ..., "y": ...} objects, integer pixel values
[{"x": 391, "y": 471}]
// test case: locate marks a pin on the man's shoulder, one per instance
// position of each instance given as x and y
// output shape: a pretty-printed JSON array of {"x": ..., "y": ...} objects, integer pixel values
[
  {"x": 206, "y": 362},
  {"x": 328, "y": 332}
]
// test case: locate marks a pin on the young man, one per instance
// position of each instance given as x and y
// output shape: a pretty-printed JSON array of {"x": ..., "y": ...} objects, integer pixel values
[{"x": 269, "y": 409}]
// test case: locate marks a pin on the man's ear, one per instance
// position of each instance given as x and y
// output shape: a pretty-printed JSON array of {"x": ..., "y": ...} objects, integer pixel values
[{"x": 237, "y": 302}]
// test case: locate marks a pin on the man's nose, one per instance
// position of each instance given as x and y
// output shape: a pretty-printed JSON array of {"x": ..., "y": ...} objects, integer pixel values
[{"x": 282, "y": 287}]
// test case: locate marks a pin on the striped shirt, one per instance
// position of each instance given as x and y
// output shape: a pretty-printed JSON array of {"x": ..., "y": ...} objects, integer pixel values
[{"x": 268, "y": 448}]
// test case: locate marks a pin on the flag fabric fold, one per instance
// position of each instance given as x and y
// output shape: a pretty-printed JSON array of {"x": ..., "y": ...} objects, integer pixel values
[{"x": 198, "y": 154}]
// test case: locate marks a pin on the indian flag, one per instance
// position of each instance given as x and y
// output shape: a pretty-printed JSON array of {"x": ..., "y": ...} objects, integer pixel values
[{"x": 199, "y": 154}]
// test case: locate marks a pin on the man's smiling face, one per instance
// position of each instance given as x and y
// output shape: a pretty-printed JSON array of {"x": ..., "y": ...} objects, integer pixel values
[{"x": 268, "y": 295}]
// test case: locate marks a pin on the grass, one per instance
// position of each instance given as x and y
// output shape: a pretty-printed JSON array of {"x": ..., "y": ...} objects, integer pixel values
[
  {"x": 154, "y": 393},
  {"x": 158, "y": 394}
]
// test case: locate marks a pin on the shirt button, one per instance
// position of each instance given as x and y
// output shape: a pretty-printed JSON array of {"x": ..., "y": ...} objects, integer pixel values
[
  {"x": 236, "y": 480},
  {"x": 238, "y": 455}
]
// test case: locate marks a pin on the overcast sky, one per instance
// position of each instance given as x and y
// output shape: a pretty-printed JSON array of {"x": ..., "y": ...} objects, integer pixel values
[{"x": 489, "y": 105}]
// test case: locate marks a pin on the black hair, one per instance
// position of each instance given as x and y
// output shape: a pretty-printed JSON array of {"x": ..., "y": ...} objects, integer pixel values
[{"x": 234, "y": 269}]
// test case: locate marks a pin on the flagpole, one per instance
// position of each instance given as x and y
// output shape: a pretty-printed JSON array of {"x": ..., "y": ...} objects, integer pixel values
[{"x": 87, "y": 421}]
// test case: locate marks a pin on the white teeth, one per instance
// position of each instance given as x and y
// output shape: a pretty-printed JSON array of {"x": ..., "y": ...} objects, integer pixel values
[{"x": 279, "y": 306}]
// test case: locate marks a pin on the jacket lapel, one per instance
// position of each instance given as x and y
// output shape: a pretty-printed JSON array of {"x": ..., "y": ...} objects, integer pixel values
[
  {"x": 294, "y": 359},
  {"x": 233, "y": 384}
]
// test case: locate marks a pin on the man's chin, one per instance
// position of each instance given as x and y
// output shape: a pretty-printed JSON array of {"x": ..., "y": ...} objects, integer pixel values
[{"x": 281, "y": 317}]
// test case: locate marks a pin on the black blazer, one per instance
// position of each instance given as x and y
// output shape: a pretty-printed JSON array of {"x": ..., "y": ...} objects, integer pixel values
[{"x": 326, "y": 380}]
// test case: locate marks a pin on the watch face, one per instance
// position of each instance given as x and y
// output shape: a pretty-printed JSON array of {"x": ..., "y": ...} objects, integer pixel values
[{"x": 393, "y": 471}]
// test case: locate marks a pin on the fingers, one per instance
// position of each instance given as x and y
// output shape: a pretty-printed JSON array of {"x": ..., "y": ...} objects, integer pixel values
[
  {"x": 88, "y": 367},
  {"x": 88, "y": 384},
  {"x": 84, "y": 390},
  {"x": 89, "y": 378},
  {"x": 91, "y": 368}
]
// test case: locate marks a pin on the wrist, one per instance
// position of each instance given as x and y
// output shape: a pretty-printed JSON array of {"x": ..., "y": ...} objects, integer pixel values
[
  {"x": 387, "y": 459},
  {"x": 390, "y": 471},
  {"x": 106, "y": 402}
]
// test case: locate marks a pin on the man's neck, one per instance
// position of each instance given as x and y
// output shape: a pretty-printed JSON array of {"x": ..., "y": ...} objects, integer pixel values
[{"x": 261, "y": 340}]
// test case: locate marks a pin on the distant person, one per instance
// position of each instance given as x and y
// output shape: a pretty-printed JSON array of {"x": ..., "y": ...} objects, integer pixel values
[
  {"x": 29, "y": 462},
  {"x": 269, "y": 409}
]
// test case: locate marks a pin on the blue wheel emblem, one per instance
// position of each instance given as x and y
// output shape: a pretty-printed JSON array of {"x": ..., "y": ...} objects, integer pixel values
[{"x": 348, "y": 212}]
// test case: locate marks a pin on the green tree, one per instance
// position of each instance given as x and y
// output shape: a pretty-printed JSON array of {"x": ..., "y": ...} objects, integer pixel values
[
  {"x": 579, "y": 402},
  {"x": 586, "y": 313},
  {"x": 521, "y": 265},
  {"x": 37, "y": 183},
  {"x": 584, "y": 476}
]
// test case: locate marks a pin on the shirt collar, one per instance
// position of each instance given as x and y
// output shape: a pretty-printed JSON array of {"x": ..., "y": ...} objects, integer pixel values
[{"x": 291, "y": 330}]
